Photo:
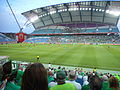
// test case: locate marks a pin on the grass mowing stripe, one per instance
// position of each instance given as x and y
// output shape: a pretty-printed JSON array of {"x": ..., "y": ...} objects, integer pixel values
[
  {"x": 89, "y": 59},
  {"x": 105, "y": 59}
]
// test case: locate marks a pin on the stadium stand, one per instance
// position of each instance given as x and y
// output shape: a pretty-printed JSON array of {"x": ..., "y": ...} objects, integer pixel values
[
  {"x": 5, "y": 40},
  {"x": 10, "y": 35},
  {"x": 63, "y": 22},
  {"x": 90, "y": 39}
]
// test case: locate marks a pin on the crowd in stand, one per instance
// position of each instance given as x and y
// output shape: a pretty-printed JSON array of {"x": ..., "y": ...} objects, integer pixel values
[
  {"x": 37, "y": 77},
  {"x": 90, "y": 39},
  {"x": 99, "y": 39}
]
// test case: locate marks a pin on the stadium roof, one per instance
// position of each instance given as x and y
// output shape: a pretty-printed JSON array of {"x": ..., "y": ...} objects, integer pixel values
[{"x": 75, "y": 14}]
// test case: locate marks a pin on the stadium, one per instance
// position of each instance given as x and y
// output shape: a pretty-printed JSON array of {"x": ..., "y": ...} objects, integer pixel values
[{"x": 80, "y": 34}]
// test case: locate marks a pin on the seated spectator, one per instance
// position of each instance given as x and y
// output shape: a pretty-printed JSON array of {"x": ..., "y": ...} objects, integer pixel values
[
  {"x": 113, "y": 83},
  {"x": 95, "y": 83},
  {"x": 35, "y": 78},
  {"x": 72, "y": 77},
  {"x": 61, "y": 84}
]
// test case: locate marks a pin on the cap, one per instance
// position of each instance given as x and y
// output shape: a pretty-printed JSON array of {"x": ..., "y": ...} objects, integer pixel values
[{"x": 61, "y": 75}]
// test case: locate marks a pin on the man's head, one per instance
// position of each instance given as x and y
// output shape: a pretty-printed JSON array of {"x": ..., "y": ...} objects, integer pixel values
[
  {"x": 72, "y": 75},
  {"x": 61, "y": 75}
]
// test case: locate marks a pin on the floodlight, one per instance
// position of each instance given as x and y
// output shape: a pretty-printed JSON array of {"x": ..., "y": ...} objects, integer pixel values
[
  {"x": 89, "y": 8},
  {"x": 65, "y": 9},
  {"x": 80, "y": 8},
  {"x": 75, "y": 9},
  {"x": 83, "y": 8},
  {"x": 93, "y": 9},
  {"x": 103, "y": 10},
  {"x": 100, "y": 9},
  {"x": 86, "y": 8},
  {"x": 96, "y": 9}
]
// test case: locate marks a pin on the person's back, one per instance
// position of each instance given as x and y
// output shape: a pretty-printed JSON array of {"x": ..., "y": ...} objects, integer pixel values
[
  {"x": 113, "y": 83},
  {"x": 35, "y": 78},
  {"x": 11, "y": 85},
  {"x": 105, "y": 84},
  {"x": 72, "y": 77},
  {"x": 95, "y": 83},
  {"x": 66, "y": 86},
  {"x": 61, "y": 82}
]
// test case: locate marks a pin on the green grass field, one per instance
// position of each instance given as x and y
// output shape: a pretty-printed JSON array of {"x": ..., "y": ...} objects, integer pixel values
[{"x": 100, "y": 56}]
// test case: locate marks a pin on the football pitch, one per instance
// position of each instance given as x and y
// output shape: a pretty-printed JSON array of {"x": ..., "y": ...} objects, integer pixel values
[{"x": 90, "y": 56}]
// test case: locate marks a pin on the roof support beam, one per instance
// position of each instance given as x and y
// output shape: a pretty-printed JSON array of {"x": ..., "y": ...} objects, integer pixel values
[
  {"x": 42, "y": 21},
  {"x": 49, "y": 15},
  {"x": 80, "y": 13},
  {"x": 59, "y": 14},
  {"x": 68, "y": 12},
  {"x": 51, "y": 18},
  {"x": 91, "y": 4},
  {"x": 107, "y": 3}
]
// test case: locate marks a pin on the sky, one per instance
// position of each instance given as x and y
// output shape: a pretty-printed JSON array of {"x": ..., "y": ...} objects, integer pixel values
[{"x": 7, "y": 21}]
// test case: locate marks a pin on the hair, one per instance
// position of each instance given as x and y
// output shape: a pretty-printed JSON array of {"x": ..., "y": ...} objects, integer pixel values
[
  {"x": 95, "y": 83},
  {"x": 72, "y": 75},
  {"x": 7, "y": 67},
  {"x": 113, "y": 82},
  {"x": 13, "y": 75},
  {"x": 35, "y": 78},
  {"x": 6, "y": 70}
]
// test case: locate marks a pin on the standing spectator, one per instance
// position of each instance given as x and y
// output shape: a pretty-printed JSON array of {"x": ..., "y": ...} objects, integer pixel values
[{"x": 35, "y": 78}]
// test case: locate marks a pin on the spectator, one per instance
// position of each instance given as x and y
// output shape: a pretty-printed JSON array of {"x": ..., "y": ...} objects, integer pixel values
[
  {"x": 10, "y": 85},
  {"x": 72, "y": 77},
  {"x": 105, "y": 82},
  {"x": 61, "y": 84},
  {"x": 95, "y": 83},
  {"x": 1, "y": 73},
  {"x": 113, "y": 83},
  {"x": 35, "y": 78},
  {"x": 85, "y": 80},
  {"x": 50, "y": 77}
]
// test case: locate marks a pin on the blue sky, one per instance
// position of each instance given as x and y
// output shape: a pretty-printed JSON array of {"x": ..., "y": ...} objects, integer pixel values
[{"x": 7, "y": 21}]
